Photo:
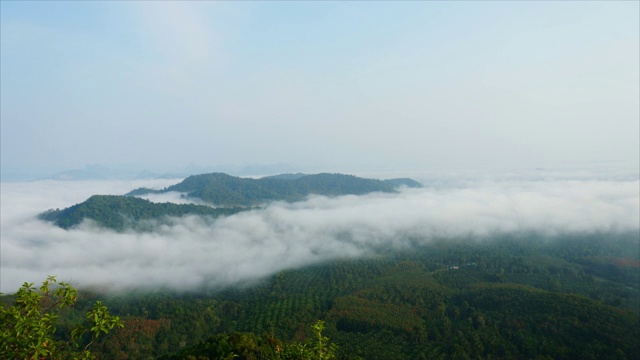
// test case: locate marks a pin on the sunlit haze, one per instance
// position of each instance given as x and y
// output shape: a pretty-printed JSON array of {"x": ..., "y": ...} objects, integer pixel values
[{"x": 327, "y": 86}]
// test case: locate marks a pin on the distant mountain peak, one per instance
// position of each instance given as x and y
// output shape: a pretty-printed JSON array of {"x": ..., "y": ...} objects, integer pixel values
[{"x": 230, "y": 194}]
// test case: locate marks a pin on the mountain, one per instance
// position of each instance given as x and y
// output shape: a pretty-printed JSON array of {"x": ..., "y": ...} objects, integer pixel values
[
  {"x": 122, "y": 212},
  {"x": 230, "y": 194},
  {"x": 90, "y": 172},
  {"x": 396, "y": 183},
  {"x": 403, "y": 182},
  {"x": 286, "y": 176},
  {"x": 226, "y": 190}
]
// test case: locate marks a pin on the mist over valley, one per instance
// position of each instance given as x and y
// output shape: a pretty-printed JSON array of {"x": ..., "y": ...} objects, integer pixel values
[{"x": 194, "y": 251}]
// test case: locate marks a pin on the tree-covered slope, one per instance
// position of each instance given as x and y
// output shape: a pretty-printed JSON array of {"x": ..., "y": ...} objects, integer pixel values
[
  {"x": 120, "y": 212},
  {"x": 226, "y": 190},
  {"x": 233, "y": 193},
  {"x": 403, "y": 182},
  {"x": 520, "y": 297}
]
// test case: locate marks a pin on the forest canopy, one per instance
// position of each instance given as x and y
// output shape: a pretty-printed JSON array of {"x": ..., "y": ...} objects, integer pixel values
[{"x": 514, "y": 296}]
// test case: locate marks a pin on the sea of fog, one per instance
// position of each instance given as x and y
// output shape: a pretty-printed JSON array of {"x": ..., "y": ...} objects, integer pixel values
[{"x": 195, "y": 251}]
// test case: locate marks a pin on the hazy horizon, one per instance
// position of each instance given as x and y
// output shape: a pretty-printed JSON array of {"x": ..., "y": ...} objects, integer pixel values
[{"x": 327, "y": 86}]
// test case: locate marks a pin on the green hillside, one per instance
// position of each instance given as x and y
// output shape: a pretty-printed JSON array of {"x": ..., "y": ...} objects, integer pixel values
[
  {"x": 226, "y": 190},
  {"x": 511, "y": 297},
  {"x": 122, "y": 212},
  {"x": 233, "y": 193}
]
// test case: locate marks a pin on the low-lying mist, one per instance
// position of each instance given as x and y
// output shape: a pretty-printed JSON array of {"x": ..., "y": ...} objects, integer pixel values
[{"x": 193, "y": 252}]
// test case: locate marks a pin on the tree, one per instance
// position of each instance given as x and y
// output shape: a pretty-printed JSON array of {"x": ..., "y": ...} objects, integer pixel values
[
  {"x": 27, "y": 326},
  {"x": 318, "y": 348},
  {"x": 322, "y": 349}
]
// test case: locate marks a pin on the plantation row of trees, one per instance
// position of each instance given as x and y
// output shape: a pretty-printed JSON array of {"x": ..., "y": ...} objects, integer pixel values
[
  {"x": 525, "y": 296},
  {"x": 29, "y": 324}
]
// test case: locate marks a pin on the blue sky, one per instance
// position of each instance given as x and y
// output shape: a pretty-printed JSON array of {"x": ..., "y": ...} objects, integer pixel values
[{"x": 330, "y": 85}]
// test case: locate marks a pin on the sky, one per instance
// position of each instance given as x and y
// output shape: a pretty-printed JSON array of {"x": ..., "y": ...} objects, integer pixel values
[{"x": 322, "y": 85}]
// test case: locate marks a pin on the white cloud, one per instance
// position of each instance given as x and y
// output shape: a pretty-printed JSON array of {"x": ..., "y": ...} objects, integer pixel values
[
  {"x": 196, "y": 251},
  {"x": 172, "y": 197}
]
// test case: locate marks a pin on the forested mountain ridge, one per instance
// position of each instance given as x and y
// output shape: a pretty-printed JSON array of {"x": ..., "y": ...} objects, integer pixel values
[
  {"x": 226, "y": 190},
  {"x": 121, "y": 212},
  {"x": 228, "y": 193}
]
